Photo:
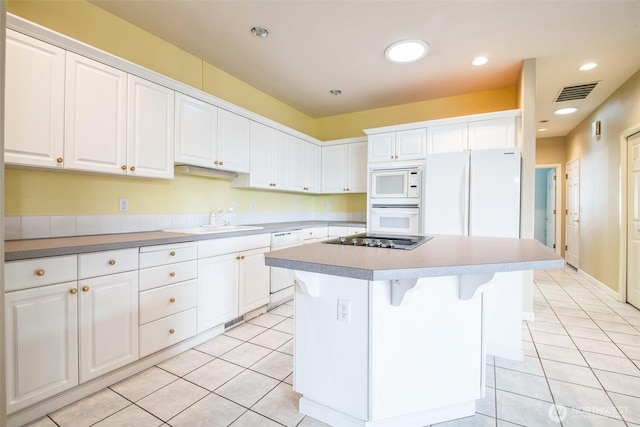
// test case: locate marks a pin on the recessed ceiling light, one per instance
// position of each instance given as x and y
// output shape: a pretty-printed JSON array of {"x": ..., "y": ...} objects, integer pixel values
[
  {"x": 480, "y": 60},
  {"x": 260, "y": 32},
  {"x": 566, "y": 110},
  {"x": 406, "y": 51},
  {"x": 542, "y": 130},
  {"x": 588, "y": 66},
  {"x": 335, "y": 92}
]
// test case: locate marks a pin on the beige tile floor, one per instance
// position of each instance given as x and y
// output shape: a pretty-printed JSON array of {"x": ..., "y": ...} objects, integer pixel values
[{"x": 581, "y": 369}]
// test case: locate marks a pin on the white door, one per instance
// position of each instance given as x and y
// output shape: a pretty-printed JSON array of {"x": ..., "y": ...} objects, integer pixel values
[
  {"x": 234, "y": 135},
  {"x": 357, "y": 167},
  {"x": 382, "y": 147},
  {"x": 633, "y": 226},
  {"x": 254, "y": 280},
  {"x": 411, "y": 144},
  {"x": 280, "y": 160},
  {"x": 572, "y": 249},
  {"x": 196, "y": 131},
  {"x": 334, "y": 168},
  {"x": 217, "y": 290},
  {"x": 550, "y": 217}
]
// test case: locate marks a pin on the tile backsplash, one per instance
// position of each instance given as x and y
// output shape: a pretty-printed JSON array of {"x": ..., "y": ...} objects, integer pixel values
[{"x": 37, "y": 227}]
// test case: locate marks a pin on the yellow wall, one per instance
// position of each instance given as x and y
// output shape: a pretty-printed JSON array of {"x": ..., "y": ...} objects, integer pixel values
[
  {"x": 56, "y": 193},
  {"x": 599, "y": 180}
]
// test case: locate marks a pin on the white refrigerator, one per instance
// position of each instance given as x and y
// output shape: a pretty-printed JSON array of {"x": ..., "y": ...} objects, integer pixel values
[{"x": 477, "y": 193}]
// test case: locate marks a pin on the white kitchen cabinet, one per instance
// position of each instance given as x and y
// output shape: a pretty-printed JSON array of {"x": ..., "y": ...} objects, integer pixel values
[
  {"x": 315, "y": 234},
  {"x": 41, "y": 343},
  {"x": 34, "y": 102},
  {"x": 305, "y": 166},
  {"x": 253, "y": 278},
  {"x": 270, "y": 159},
  {"x": 233, "y": 142},
  {"x": 473, "y": 135},
  {"x": 447, "y": 138},
  {"x": 150, "y": 140},
  {"x": 397, "y": 146},
  {"x": 217, "y": 290},
  {"x": 95, "y": 116},
  {"x": 343, "y": 231},
  {"x": 196, "y": 127},
  {"x": 344, "y": 168},
  {"x": 107, "y": 311}
]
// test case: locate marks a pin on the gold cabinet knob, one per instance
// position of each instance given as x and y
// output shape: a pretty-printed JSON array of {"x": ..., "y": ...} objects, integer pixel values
[
  {"x": 123, "y": 167},
  {"x": 112, "y": 262},
  {"x": 132, "y": 168},
  {"x": 348, "y": 189},
  {"x": 172, "y": 331},
  {"x": 59, "y": 160},
  {"x": 216, "y": 162},
  {"x": 392, "y": 157},
  {"x": 85, "y": 289},
  {"x": 73, "y": 291},
  {"x": 172, "y": 274},
  {"x": 238, "y": 257},
  {"x": 172, "y": 300},
  {"x": 172, "y": 253},
  {"x": 242, "y": 257},
  {"x": 396, "y": 157},
  {"x": 39, "y": 272},
  {"x": 221, "y": 163}
]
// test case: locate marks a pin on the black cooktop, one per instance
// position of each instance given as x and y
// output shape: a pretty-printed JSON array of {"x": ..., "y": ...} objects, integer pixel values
[{"x": 375, "y": 240}]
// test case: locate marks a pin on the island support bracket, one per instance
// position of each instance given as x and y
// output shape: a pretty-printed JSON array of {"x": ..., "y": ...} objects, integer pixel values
[{"x": 471, "y": 285}]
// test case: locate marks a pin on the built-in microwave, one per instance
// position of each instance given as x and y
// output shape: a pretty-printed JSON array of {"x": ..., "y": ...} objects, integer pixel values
[{"x": 401, "y": 183}]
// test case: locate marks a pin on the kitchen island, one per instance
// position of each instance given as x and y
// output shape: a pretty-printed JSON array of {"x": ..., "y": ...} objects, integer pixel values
[{"x": 389, "y": 337}]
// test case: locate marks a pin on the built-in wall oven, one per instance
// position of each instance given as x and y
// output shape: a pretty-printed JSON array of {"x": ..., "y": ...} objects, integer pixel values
[{"x": 395, "y": 200}]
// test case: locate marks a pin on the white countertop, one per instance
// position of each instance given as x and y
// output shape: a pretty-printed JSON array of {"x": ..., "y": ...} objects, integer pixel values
[{"x": 440, "y": 256}]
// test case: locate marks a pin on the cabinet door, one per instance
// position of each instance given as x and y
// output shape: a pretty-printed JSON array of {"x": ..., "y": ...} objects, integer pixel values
[
  {"x": 260, "y": 174},
  {"x": 447, "y": 138},
  {"x": 334, "y": 169},
  {"x": 298, "y": 173},
  {"x": 357, "y": 167},
  {"x": 196, "y": 131},
  {"x": 151, "y": 119},
  {"x": 217, "y": 290},
  {"x": 41, "y": 343},
  {"x": 382, "y": 147},
  {"x": 495, "y": 133},
  {"x": 254, "y": 278},
  {"x": 108, "y": 323},
  {"x": 233, "y": 142},
  {"x": 312, "y": 167},
  {"x": 411, "y": 144},
  {"x": 281, "y": 160},
  {"x": 34, "y": 102},
  {"x": 95, "y": 116}
]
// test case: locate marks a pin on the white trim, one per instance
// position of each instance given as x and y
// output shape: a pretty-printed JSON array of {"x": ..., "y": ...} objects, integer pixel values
[
  {"x": 445, "y": 121},
  {"x": 529, "y": 316},
  {"x": 599, "y": 284},
  {"x": 623, "y": 204},
  {"x": 559, "y": 216}
]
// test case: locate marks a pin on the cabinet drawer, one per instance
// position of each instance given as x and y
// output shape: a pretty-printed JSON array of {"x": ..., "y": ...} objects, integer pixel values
[
  {"x": 39, "y": 272},
  {"x": 107, "y": 262},
  {"x": 167, "y": 274},
  {"x": 228, "y": 245},
  {"x": 167, "y": 331},
  {"x": 315, "y": 233},
  {"x": 167, "y": 300},
  {"x": 153, "y": 256}
]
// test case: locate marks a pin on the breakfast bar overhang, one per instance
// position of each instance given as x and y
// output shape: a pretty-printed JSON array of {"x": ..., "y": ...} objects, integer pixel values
[{"x": 388, "y": 337}]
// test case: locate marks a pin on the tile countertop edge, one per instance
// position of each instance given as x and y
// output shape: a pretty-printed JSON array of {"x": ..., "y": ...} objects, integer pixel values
[{"x": 16, "y": 250}]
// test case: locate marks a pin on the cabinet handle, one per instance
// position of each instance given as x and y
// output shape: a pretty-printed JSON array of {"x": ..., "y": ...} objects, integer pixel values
[
  {"x": 347, "y": 189},
  {"x": 123, "y": 167},
  {"x": 172, "y": 253},
  {"x": 172, "y": 331},
  {"x": 172, "y": 274},
  {"x": 221, "y": 163},
  {"x": 391, "y": 157},
  {"x": 396, "y": 157},
  {"x": 238, "y": 257},
  {"x": 85, "y": 289},
  {"x": 59, "y": 160},
  {"x": 242, "y": 257},
  {"x": 39, "y": 272},
  {"x": 112, "y": 262},
  {"x": 216, "y": 162},
  {"x": 172, "y": 300},
  {"x": 132, "y": 168},
  {"x": 73, "y": 291}
]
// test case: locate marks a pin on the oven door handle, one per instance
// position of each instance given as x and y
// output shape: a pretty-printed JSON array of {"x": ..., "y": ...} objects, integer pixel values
[{"x": 404, "y": 211}]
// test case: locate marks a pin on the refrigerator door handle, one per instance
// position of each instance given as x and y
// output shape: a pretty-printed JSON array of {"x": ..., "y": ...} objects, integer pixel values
[{"x": 467, "y": 184}]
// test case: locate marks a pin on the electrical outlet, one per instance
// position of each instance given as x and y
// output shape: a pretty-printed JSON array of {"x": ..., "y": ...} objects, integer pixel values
[
  {"x": 123, "y": 205},
  {"x": 252, "y": 206},
  {"x": 326, "y": 206},
  {"x": 344, "y": 310}
]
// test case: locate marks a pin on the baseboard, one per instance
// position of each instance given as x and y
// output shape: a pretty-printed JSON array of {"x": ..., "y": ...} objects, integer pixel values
[
  {"x": 528, "y": 315},
  {"x": 602, "y": 286}
]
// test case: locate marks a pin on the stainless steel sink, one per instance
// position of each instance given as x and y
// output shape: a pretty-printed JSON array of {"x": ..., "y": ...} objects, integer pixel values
[{"x": 211, "y": 229}]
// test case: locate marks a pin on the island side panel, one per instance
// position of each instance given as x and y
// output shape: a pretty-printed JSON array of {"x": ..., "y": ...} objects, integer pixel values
[
  {"x": 426, "y": 354},
  {"x": 331, "y": 356},
  {"x": 503, "y": 315}
]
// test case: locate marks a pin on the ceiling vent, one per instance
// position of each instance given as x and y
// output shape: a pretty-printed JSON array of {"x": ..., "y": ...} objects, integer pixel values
[{"x": 575, "y": 92}]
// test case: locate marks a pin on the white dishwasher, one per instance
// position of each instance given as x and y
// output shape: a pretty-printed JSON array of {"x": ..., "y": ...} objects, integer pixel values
[{"x": 281, "y": 278}]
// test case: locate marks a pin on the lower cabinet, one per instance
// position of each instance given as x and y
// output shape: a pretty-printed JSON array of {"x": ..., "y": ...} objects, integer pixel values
[
  {"x": 217, "y": 290},
  {"x": 254, "y": 278}
]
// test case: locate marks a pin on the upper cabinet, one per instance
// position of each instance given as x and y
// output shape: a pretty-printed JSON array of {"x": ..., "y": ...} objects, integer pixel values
[
  {"x": 472, "y": 135},
  {"x": 34, "y": 102},
  {"x": 305, "y": 166},
  {"x": 95, "y": 116},
  {"x": 270, "y": 158},
  {"x": 344, "y": 168},
  {"x": 397, "y": 146},
  {"x": 210, "y": 137}
]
